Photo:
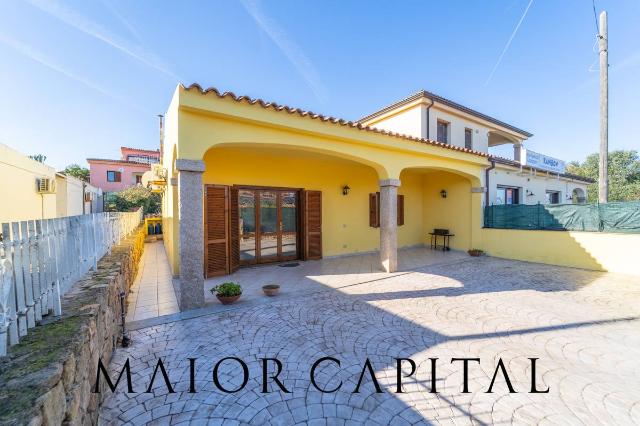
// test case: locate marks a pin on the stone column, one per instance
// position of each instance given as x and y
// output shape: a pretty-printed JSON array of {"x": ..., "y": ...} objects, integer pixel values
[
  {"x": 389, "y": 224},
  {"x": 191, "y": 239}
]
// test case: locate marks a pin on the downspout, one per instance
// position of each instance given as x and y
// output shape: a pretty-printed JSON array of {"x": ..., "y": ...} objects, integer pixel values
[
  {"x": 428, "y": 119},
  {"x": 486, "y": 181}
]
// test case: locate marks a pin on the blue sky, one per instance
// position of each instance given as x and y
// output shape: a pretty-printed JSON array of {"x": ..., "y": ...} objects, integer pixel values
[{"x": 80, "y": 79}]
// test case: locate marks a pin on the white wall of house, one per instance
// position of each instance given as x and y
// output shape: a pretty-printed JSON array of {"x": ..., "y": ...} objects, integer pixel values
[
  {"x": 69, "y": 196},
  {"x": 457, "y": 126},
  {"x": 532, "y": 188},
  {"x": 410, "y": 122}
]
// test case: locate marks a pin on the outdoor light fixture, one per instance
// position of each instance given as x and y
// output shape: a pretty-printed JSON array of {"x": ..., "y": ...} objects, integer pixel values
[
  {"x": 530, "y": 193},
  {"x": 345, "y": 190},
  {"x": 443, "y": 193}
]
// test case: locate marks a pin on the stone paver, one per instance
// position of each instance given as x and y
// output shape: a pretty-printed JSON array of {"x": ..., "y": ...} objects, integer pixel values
[
  {"x": 152, "y": 292},
  {"x": 583, "y": 326}
]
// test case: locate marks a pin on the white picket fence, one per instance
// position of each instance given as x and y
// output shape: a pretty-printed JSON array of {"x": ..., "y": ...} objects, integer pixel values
[{"x": 41, "y": 259}]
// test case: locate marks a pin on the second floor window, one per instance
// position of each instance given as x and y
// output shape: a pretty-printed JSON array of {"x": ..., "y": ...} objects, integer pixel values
[
  {"x": 468, "y": 138},
  {"x": 113, "y": 176},
  {"x": 443, "y": 131}
]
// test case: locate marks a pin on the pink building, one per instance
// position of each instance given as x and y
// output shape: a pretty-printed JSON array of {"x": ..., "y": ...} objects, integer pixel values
[{"x": 116, "y": 175}]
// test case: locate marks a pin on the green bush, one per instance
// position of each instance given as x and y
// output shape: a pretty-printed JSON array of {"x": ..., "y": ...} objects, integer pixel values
[
  {"x": 227, "y": 289},
  {"x": 133, "y": 198}
]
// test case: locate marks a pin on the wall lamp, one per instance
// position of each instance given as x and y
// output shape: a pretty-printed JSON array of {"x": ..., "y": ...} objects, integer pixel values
[
  {"x": 443, "y": 193},
  {"x": 345, "y": 190},
  {"x": 530, "y": 193}
]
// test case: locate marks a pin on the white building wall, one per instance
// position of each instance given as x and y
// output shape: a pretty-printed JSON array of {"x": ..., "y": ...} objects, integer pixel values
[
  {"x": 410, "y": 122},
  {"x": 536, "y": 185},
  {"x": 457, "y": 125}
]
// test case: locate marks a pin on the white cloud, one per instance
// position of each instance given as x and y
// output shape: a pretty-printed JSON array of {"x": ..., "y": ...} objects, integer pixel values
[
  {"x": 506, "y": 46},
  {"x": 93, "y": 29},
  {"x": 43, "y": 59},
  {"x": 290, "y": 49}
]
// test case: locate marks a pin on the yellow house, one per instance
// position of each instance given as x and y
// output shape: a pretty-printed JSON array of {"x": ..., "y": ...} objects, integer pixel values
[
  {"x": 27, "y": 187},
  {"x": 252, "y": 182}
]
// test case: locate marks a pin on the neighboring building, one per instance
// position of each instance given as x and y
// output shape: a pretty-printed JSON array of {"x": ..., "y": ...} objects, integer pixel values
[
  {"x": 529, "y": 178},
  {"x": 27, "y": 187},
  {"x": 116, "y": 175},
  {"x": 76, "y": 197}
]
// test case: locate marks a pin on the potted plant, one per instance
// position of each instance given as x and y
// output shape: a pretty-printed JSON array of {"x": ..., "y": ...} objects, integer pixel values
[
  {"x": 271, "y": 289},
  {"x": 475, "y": 252},
  {"x": 227, "y": 293}
]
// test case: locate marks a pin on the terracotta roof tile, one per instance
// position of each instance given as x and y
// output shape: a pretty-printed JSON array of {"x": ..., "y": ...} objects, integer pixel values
[{"x": 329, "y": 119}]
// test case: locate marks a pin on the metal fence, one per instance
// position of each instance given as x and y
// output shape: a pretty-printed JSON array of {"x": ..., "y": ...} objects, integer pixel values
[
  {"x": 623, "y": 217},
  {"x": 41, "y": 259}
]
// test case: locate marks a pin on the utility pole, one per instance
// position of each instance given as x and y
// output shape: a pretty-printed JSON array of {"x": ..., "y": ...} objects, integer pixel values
[{"x": 603, "y": 176}]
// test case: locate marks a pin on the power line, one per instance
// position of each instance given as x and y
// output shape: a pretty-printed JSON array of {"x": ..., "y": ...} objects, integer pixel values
[{"x": 595, "y": 17}]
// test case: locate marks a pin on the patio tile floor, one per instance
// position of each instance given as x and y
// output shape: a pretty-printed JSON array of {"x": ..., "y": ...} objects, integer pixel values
[
  {"x": 152, "y": 293},
  {"x": 582, "y": 325}
]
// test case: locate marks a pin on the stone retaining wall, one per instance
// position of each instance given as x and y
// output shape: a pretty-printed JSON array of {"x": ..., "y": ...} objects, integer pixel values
[{"x": 47, "y": 378}]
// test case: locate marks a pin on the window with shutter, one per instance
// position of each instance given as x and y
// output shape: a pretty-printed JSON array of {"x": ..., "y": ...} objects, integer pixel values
[
  {"x": 312, "y": 224},
  {"x": 216, "y": 230},
  {"x": 374, "y": 210}
]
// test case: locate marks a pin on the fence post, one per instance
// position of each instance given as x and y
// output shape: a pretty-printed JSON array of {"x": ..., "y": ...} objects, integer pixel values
[
  {"x": 26, "y": 273},
  {"x": 33, "y": 267},
  {"x": 55, "y": 256},
  {"x": 16, "y": 242},
  {"x": 8, "y": 323}
]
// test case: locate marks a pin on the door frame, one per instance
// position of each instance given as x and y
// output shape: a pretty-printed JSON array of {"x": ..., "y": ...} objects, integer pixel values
[{"x": 278, "y": 189}]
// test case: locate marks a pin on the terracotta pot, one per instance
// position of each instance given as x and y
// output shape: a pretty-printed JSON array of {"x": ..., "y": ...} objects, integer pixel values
[
  {"x": 271, "y": 289},
  {"x": 475, "y": 253},
  {"x": 227, "y": 300}
]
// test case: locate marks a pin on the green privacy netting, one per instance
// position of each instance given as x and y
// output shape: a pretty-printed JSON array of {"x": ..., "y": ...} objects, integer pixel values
[{"x": 609, "y": 217}]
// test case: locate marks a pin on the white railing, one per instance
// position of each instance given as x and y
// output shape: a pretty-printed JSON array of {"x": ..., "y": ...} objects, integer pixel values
[{"x": 41, "y": 259}]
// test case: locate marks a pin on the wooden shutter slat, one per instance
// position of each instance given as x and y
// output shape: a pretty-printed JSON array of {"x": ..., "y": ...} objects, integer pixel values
[
  {"x": 400, "y": 212},
  {"x": 374, "y": 210},
  {"x": 312, "y": 225},
  {"x": 216, "y": 230},
  {"x": 234, "y": 231}
]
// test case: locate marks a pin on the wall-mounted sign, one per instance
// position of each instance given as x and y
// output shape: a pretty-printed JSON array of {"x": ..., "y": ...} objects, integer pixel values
[{"x": 541, "y": 161}]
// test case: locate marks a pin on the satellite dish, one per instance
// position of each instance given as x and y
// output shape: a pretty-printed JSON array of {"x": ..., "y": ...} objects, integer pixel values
[{"x": 147, "y": 178}]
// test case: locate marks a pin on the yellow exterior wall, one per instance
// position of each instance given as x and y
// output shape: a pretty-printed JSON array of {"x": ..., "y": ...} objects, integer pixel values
[
  {"x": 452, "y": 213},
  {"x": 18, "y": 195},
  {"x": 225, "y": 134},
  {"x": 345, "y": 218},
  {"x": 589, "y": 250}
]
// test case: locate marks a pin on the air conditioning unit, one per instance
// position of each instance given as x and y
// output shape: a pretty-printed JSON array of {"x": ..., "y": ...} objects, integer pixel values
[{"x": 45, "y": 185}]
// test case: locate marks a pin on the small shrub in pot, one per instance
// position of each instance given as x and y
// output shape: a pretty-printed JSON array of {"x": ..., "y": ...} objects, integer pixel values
[{"x": 228, "y": 292}]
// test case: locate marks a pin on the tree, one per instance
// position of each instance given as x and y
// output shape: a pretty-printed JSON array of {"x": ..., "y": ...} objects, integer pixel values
[
  {"x": 76, "y": 171},
  {"x": 40, "y": 158},
  {"x": 624, "y": 175},
  {"x": 133, "y": 198}
]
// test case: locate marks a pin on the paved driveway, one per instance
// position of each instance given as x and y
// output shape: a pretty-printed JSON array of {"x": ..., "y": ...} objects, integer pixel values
[{"x": 583, "y": 326}]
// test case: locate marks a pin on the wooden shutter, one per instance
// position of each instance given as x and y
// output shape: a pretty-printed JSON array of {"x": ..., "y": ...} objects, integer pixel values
[
  {"x": 374, "y": 209},
  {"x": 234, "y": 230},
  {"x": 117, "y": 177},
  {"x": 312, "y": 224},
  {"x": 400, "y": 212},
  {"x": 216, "y": 230}
]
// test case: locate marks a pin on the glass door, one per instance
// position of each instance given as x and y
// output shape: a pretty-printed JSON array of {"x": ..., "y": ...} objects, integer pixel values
[
  {"x": 288, "y": 225},
  {"x": 247, "y": 225},
  {"x": 268, "y": 225}
]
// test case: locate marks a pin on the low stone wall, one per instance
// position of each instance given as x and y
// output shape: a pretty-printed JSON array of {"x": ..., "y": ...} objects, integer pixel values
[{"x": 48, "y": 377}]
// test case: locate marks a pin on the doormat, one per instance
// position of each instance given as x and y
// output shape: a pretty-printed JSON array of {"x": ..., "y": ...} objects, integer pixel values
[{"x": 289, "y": 265}]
